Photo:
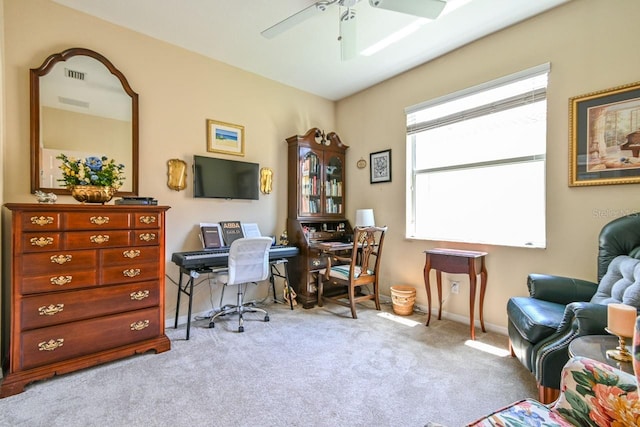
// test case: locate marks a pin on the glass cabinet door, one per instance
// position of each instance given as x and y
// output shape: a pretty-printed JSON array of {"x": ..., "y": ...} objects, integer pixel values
[
  {"x": 310, "y": 184},
  {"x": 333, "y": 185}
]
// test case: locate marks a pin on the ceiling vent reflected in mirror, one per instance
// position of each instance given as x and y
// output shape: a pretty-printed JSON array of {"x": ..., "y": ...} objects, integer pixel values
[{"x": 72, "y": 74}]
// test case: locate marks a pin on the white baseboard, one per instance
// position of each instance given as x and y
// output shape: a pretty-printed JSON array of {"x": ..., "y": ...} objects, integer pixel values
[{"x": 455, "y": 317}]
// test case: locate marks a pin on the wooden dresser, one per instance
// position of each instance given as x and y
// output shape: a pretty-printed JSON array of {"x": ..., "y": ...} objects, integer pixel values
[{"x": 87, "y": 287}]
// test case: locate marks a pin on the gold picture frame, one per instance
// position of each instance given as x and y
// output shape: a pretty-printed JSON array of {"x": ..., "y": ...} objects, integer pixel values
[
  {"x": 605, "y": 137},
  {"x": 225, "y": 138}
]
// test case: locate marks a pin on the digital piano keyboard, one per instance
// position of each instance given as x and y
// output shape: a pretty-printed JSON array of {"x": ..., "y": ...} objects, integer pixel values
[{"x": 202, "y": 259}]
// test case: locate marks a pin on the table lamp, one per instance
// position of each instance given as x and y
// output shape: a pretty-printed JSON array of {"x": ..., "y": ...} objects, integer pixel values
[
  {"x": 364, "y": 218},
  {"x": 621, "y": 321}
]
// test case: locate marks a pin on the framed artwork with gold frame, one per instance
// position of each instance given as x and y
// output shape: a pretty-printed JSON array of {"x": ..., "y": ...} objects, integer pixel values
[
  {"x": 605, "y": 137},
  {"x": 225, "y": 138}
]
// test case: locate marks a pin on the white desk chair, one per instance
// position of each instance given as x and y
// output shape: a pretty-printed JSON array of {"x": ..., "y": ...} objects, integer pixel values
[{"x": 248, "y": 263}]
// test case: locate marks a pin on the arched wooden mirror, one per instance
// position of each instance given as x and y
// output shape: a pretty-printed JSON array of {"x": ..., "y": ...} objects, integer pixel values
[{"x": 81, "y": 105}]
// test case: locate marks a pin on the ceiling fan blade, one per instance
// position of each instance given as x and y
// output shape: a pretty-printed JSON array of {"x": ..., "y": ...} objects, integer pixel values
[
  {"x": 425, "y": 8},
  {"x": 348, "y": 36},
  {"x": 297, "y": 18}
]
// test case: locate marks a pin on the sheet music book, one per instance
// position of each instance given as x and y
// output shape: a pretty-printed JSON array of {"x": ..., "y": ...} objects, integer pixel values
[
  {"x": 250, "y": 229},
  {"x": 210, "y": 235},
  {"x": 231, "y": 230}
]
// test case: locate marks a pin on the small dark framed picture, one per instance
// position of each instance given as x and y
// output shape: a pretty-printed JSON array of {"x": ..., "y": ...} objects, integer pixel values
[{"x": 380, "y": 166}]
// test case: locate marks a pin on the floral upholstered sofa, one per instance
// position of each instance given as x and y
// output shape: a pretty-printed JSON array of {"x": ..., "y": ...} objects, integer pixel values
[{"x": 591, "y": 394}]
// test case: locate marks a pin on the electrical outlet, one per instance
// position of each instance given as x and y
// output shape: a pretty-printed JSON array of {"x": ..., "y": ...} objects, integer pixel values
[{"x": 455, "y": 287}]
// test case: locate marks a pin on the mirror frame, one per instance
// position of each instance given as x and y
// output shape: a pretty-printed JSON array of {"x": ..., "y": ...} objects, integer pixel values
[{"x": 44, "y": 69}]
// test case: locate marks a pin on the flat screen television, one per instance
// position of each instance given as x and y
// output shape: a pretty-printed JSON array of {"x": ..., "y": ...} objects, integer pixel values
[{"x": 225, "y": 179}]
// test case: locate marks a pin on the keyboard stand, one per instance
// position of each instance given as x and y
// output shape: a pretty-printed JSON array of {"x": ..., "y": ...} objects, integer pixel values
[
  {"x": 187, "y": 288},
  {"x": 275, "y": 272}
]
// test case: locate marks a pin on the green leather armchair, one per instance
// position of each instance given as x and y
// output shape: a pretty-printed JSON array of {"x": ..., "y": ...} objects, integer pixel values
[{"x": 559, "y": 309}]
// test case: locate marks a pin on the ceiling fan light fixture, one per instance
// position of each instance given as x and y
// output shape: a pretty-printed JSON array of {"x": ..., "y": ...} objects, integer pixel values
[
  {"x": 348, "y": 44},
  {"x": 426, "y": 8}
]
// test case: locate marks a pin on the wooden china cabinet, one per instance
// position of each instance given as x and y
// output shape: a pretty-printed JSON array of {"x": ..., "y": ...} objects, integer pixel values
[
  {"x": 87, "y": 287},
  {"x": 316, "y": 205}
]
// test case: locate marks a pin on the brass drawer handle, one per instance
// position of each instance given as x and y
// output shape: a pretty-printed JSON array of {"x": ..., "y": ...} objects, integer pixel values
[
  {"x": 99, "y": 220},
  {"x": 147, "y": 219},
  {"x": 139, "y": 296},
  {"x": 50, "y": 310},
  {"x": 147, "y": 237},
  {"x": 61, "y": 259},
  {"x": 60, "y": 280},
  {"x": 41, "y": 241},
  {"x": 316, "y": 262},
  {"x": 51, "y": 344},
  {"x": 131, "y": 253},
  {"x": 139, "y": 325},
  {"x": 99, "y": 239},
  {"x": 41, "y": 220},
  {"x": 132, "y": 272}
]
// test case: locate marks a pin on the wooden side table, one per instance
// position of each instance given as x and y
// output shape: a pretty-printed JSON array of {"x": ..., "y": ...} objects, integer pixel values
[{"x": 457, "y": 261}]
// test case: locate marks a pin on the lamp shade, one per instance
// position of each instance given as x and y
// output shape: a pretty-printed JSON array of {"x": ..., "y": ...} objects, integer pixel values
[{"x": 364, "y": 218}]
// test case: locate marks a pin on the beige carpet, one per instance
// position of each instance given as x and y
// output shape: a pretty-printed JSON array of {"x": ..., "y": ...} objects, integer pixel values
[{"x": 314, "y": 367}]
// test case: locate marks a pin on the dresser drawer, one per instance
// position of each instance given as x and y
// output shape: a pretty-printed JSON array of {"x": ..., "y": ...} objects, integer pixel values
[
  {"x": 43, "y": 346},
  {"x": 62, "y": 307},
  {"x": 72, "y": 279},
  {"x": 146, "y": 220},
  {"x": 35, "y": 221},
  {"x": 130, "y": 255},
  {"x": 96, "y": 239},
  {"x": 98, "y": 220},
  {"x": 134, "y": 272},
  {"x": 40, "y": 242},
  {"x": 57, "y": 262},
  {"x": 146, "y": 237}
]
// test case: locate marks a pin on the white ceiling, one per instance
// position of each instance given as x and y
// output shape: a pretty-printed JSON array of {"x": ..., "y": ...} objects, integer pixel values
[{"x": 307, "y": 56}]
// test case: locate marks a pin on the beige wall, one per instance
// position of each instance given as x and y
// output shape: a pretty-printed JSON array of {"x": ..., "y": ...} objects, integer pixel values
[
  {"x": 178, "y": 91},
  {"x": 591, "y": 45}
]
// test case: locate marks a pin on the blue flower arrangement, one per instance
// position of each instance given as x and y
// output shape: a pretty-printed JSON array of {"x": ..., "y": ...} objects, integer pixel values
[{"x": 101, "y": 171}]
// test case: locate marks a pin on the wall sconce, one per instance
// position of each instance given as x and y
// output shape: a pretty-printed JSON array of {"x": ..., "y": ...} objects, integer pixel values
[
  {"x": 177, "y": 174},
  {"x": 266, "y": 180}
]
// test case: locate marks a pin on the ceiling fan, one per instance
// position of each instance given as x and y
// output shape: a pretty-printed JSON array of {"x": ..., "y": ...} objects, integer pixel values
[{"x": 422, "y": 8}]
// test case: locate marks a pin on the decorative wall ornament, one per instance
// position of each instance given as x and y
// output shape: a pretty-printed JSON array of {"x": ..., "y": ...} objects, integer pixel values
[
  {"x": 266, "y": 180},
  {"x": 177, "y": 174}
]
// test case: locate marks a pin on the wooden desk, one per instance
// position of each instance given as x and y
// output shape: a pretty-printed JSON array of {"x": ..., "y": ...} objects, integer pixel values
[{"x": 457, "y": 261}]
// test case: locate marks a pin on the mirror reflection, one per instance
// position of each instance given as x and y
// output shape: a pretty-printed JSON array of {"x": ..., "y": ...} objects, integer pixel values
[{"x": 83, "y": 107}]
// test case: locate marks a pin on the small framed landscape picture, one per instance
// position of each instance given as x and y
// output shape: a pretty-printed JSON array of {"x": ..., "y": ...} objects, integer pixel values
[
  {"x": 380, "y": 166},
  {"x": 225, "y": 138}
]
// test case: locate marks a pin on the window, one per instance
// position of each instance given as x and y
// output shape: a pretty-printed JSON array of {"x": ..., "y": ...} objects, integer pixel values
[{"x": 476, "y": 163}]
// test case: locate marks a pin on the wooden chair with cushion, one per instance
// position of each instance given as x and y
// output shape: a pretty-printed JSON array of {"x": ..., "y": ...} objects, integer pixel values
[{"x": 359, "y": 269}]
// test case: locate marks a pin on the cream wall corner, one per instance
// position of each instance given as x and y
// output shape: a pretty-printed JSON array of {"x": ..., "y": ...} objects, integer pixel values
[
  {"x": 178, "y": 90},
  {"x": 592, "y": 46}
]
